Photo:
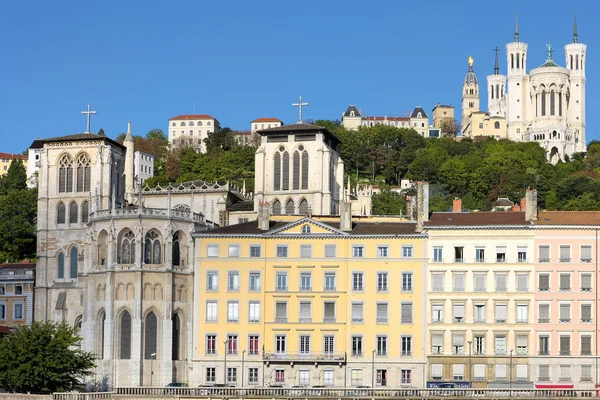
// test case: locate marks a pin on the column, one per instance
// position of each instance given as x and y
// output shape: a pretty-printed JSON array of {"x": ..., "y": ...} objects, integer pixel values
[
  {"x": 136, "y": 318},
  {"x": 167, "y": 332}
]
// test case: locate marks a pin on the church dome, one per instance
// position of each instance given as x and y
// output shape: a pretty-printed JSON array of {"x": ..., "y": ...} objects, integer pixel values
[{"x": 471, "y": 78}]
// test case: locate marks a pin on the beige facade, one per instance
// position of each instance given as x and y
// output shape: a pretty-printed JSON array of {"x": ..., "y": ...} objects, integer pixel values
[
  {"x": 16, "y": 294},
  {"x": 482, "y": 124},
  {"x": 442, "y": 113},
  {"x": 191, "y": 130}
]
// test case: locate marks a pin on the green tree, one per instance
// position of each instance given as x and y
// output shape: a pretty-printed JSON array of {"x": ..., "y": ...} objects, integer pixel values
[
  {"x": 388, "y": 203},
  {"x": 101, "y": 132},
  {"x": 43, "y": 358},
  {"x": 15, "y": 178},
  {"x": 221, "y": 140},
  {"x": 584, "y": 202},
  {"x": 18, "y": 210},
  {"x": 156, "y": 134}
]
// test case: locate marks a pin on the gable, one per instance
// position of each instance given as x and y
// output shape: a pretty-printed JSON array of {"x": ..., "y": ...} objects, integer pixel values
[{"x": 300, "y": 228}]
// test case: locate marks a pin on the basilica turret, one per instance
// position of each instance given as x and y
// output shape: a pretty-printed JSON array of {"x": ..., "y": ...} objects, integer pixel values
[
  {"x": 470, "y": 97},
  {"x": 496, "y": 84},
  {"x": 575, "y": 54},
  {"x": 516, "y": 61}
]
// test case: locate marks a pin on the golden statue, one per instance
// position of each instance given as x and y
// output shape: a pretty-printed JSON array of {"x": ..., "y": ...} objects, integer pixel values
[{"x": 471, "y": 61}]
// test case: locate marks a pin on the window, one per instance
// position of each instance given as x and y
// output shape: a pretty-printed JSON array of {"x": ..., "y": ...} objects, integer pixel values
[
  {"x": 233, "y": 250},
  {"x": 152, "y": 248},
  {"x": 18, "y": 311},
  {"x": 480, "y": 282},
  {"x": 437, "y": 282},
  {"x": 500, "y": 372},
  {"x": 329, "y": 311},
  {"x": 357, "y": 346},
  {"x": 522, "y": 345},
  {"x": 458, "y": 312},
  {"x": 2, "y": 289},
  {"x": 233, "y": 311},
  {"x": 280, "y": 341},
  {"x": 522, "y": 313},
  {"x": 233, "y": 281},
  {"x": 565, "y": 345},
  {"x": 405, "y": 377},
  {"x": 212, "y": 250},
  {"x": 382, "y": 346},
  {"x": 565, "y": 373},
  {"x": 281, "y": 282},
  {"x": 480, "y": 255},
  {"x": 586, "y": 345},
  {"x": 356, "y": 378},
  {"x": 544, "y": 282},
  {"x": 500, "y": 313},
  {"x": 437, "y": 255},
  {"x": 212, "y": 280},
  {"x": 65, "y": 174},
  {"x": 231, "y": 375},
  {"x": 282, "y": 251},
  {"x": 565, "y": 253},
  {"x": 73, "y": 261},
  {"x": 281, "y": 311},
  {"x": 458, "y": 343},
  {"x": 458, "y": 254},
  {"x": 479, "y": 344},
  {"x": 437, "y": 343},
  {"x": 304, "y": 344},
  {"x": 544, "y": 373},
  {"x": 18, "y": 289},
  {"x": 211, "y": 375},
  {"x": 61, "y": 214},
  {"x": 481, "y": 125},
  {"x": 304, "y": 377},
  {"x": 253, "y": 376},
  {"x": 73, "y": 209},
  {"x": 232, "y": 344},
  {"x": 437, "y": 313},
  {"x": 586, "y": 373},
  {"x": 586, "y": 313},
  {"x": 586, "y": 282},
  {"x": 305, "y": 311},
  {"x": 500, "y": 282},
  {"x": 382, "y": 313},
  {"x": 254, "y": 281},
  {"x": 564, "y": 313},
  {"x": 406, "y": 315},
  {"x": 381, "y": 377},
  {"x": 544, "y": 313},
  {"x": 357, "y": 312},
  {"x": 211, "y": 311},
  {"x": 357, "y": 251},
  {"x": 406, "y": 344},
  {"x": 2, "y": 311},
  {"x": 458, "y": 282},
  {"x": 328, "y": 377},
  {"x": 150, "y": 335},
  {"x": 407, "y": 281},
  {"x": 328, "y": 344},
  {"x": 586, "y": 253},
  {"x": 479, "y": 372},
  {"x": 544, "y": 253},
  {"x": 330, "y": 281},
  {"x": 544, "y": 345},
  {"x": 382, "y": 282},
  {"x": 330, "y": 250},
  {"x": 382, "y": 251},
  {"x": 254, "y": 311},
  {"x": 479, "y": 313},
  {"x": 565, "y": 282},
  {"x": 500, "y": 254},
  {"x": 357, "y": 282},
  {"x": 306, "y": 229},
  {"x": 255, "y": 250},
  {"x": 522, "y": 282},
  {"x": 500, "y": 344},
  {"x": 253, "y": 346},
  {"x": 305, "y": 251},
  {"x": 437, "y": 372},
  {"x": 305, "y": 281},
  {"x": 522, "y": 254},
  {"x": 458, "y": 372},
  {"x": 407, "y": 251}
]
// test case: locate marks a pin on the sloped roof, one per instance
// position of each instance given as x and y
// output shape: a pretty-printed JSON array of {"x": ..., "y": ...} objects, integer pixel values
[
  {"x": 242, "y": 206},
  {"x": 416, "y": 111},
  {"x": 297, "y": 128},
  {"x": 12, "y": 156},
  {"x": 385, "y": 118},
  {"x": 448, "y": 219},
  {"x": 192, "y": 116},
  {"x": 80, "y": 137},
  {"x": 349, "y": 111},
  {"x": 503, "y": 202},
  {"x": 267, "y": 120},
  {"x": 586, "y": 218}
]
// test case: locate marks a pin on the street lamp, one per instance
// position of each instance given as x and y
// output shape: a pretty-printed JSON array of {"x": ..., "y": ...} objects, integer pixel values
[
  {"x": 470, "y": 364},
  {"x": 152, "y": 357},
  {"x": 511, "y": 370},
  {"x": 373, "y": 369},
  {"x": 243, "y": 354},
  {"x": 226, "y": 343}
]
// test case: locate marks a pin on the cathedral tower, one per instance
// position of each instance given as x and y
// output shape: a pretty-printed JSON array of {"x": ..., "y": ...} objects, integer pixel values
[
  {"x": 496, "y": 84},
  {"x": 575, "y": 54},
  {"x": 470, "y": 97},
  {"x": 516, "y": 60}
]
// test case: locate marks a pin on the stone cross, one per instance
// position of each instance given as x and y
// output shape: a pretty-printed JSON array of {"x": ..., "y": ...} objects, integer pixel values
[
  {"x": 300, "y": 104},
  {"x": 88, "y": 112}
]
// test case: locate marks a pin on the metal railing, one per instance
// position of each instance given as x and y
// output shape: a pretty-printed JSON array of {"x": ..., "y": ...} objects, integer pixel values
[{"x": 338, "y": 356}]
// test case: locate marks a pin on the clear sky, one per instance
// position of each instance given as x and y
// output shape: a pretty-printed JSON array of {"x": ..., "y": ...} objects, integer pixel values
[{"x": 147, "y": 61}]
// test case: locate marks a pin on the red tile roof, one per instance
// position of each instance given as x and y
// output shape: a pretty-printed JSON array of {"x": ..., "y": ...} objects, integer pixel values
[
  {"x": 11, "y": 156},
  {"x": 22, "y": 264},
  {"x": 266, "y": 120},
  {"x": 386, "y": 118},
  {"x": 586, "y": 218},
  {"x": 192, "y": 116}
]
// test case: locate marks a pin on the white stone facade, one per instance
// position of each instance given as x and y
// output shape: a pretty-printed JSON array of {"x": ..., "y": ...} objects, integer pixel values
[
  {"x": 191, "y": 130},
  {"x": 143, "y": 166}
]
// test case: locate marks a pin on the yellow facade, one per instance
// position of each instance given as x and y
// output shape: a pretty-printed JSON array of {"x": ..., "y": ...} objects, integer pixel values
[
  {"x": 16, "y": 294},
  {"x": 7, "y": 158},
  {"x": 309, "y": 328},
  {"x": 481, "y": 124}
]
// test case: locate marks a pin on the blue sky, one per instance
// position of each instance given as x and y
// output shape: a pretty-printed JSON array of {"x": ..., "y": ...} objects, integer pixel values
[{"x": 240, "y": 60}]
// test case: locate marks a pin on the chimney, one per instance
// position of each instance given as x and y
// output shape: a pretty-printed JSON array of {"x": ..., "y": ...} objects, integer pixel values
[
  {"x": 263, "y": 216},
  {"x": 523, "y": 204},
  {"x": 422, "y": 203},
  {"x": 346, "y": 216},
  {"x": 457, "y": 205},
  {"x": 531, "y": 205},
  {"x": 223, "y": 218},
  {"x": 409, "y": 208}
]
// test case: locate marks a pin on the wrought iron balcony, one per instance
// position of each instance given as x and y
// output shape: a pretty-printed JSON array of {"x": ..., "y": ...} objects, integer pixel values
[{"x": 338, "y": 356}]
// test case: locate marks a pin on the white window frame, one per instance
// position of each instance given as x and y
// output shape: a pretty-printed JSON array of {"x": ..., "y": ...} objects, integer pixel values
[
  {"x": 212, "y": 250},
  {"x": 254, "y": 247},
  {"x": 407, "y": 251},
  {"x": 233, "y": 250}
]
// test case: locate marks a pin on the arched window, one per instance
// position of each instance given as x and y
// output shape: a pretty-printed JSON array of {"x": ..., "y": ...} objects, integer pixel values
[
  {"x": 152, "y": 248},
  {"x": 497, "y": 91},
  {"x": 173, "y": 124},
  {"x": 306, "y": 229},
  {"x": 277, "y": 171},
  {"x": 85, "y": 212},
  {"x": 73, "y": 209},
  {"x": 285, "y": 171},
  {"x": 296, "y": 171},
  {"x": 577, "y": 61},
  {"x": 276, "y": 207},
  {"x": 552, "y": 103},
  {"x": 543, "y": 103},
  {"x": 200, "y": 123},
  {"x": 125, "y": 337},
  {"x": 571, "y": 59},
  {"x": 150, "y": 336},
  {"x": 128, "y": 248},
  {"x": 100, "y": 344},
  {"x": 65, "y": 174},
  {"x": 289, "y": 207},
  {"x": 176, "y": 353},
  {"x": 61, "y": 266},
  {"x": 84, "y": 171},
  {"x": 512, "y": 61},
  {"x": 492, "y": 91},
  {"x": 208, "y": 123},
  {"x": 73, "y": 263},
  {"x": 304, "y": 170},
  {"x": 518, "y": 61},
  {"x": 176, "y": 250},
  {"x": 182, "y": 123},
  {"x": 560, "y": 104},
  {"x": 62, "y": 213},
  {"x": 304, "y": 207},
  {"x": 191, "y": 123},
  {"x": 496, "y": 125}
]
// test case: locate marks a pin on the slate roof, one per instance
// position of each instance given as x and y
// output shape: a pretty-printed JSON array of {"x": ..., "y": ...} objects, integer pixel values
[
  {"x": 297, "y": 128},
  {"x": 350, "y": 109},
  {"x": 385, "y": 118},
  {"x": 503, "y": 202},
  {"x": 81, "y": 136},
  {"x": 449, "y": 219},
  {"x": 416, "y": 111},
  {"x": 37, "y": 144},
  {"x": 242, "y": 206},
  {"x": 586, "y": 218}
]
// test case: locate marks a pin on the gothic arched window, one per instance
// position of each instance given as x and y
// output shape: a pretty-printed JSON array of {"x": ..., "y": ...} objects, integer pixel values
[
  {"x": 492, "y": 91},
  {"x": 303, "y": 207},
  {"x": 65, "y": 174},
  {"x": 150, "y": 336},
  {"x": 100, "y": 344},
  {"x": 543, "y": 103},
  {"x": 304, "y": 170},
  {"x": 552, "y": 103},
  {"x": 152, "y": 248},
  {"x": 62, "y": 213},
  {"x": 296, "y": 171},
  {"x": 128, "y": 248},
  {"x": 577, "y": 61},
  {"x": 61, "y": 266},
  {"x": 84, "y": 171},
  {"x": 285, "y": 171},
  {"x": 497, "y": 91},
  {"x": 512, "y": 61},
  {"x": 518, "y": 60},
  {"x": 73, "y": 209},
  {"x": 571, "y": 59},
  {"x": 125, "y": 336},
  {"x": 85, "y": 212},
  {"x": 276, "y": 207},
  {"x": 277, "y": 171},
  {"x": 176, "y": 250},
  {"x": 560, "y": 104},
  {"x": 73, "y": 263},
  {"x": 176, "y": 337},
  {"x": 289, "y": 207}
]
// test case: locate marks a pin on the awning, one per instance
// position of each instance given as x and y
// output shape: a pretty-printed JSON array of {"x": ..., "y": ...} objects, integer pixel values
[{"x": 553, "y": 386}]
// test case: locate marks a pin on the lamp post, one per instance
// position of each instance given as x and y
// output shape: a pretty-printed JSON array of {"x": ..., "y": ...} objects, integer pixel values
[
  {"x": 243, "y": 354},
  {"x": 511, "y": 373},
  {"x": 470, "y": 364},
  {"x": 373, "y": 369},
  {"x": 152, "y": 357},
  {"x": 226, "y": 343}
]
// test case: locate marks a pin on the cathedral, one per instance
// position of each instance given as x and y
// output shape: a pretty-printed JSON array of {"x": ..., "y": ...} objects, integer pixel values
[{"x": 545, "y": 105}]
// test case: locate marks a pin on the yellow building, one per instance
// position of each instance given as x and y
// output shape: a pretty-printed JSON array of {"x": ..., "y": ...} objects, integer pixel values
[
  {"x": 482, "y": 124},
  {"x": 16, "y": 294},
  {"x": 7, "y": 158},
  {"x": 304, "y": 301}
]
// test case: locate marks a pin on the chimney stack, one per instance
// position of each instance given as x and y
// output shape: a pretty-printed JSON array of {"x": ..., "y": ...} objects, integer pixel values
[
  {"x": 457, "y": 205},
  {"x": 263, "y": 216},
  {"x": 523, "y": 204},
  {"x": 422, "y": 203},
  {"x": 409, "y": 207},
  {"x": 531, "y": 205},
  {"x": 223, "y": 218},
  {"x": 346, "y": 216}
]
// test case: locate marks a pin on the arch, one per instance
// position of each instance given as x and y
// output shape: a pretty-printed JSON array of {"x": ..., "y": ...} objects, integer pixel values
[
  {"x": 130, "y": 292},
  {"x": 306, "y": 229},
  {"x": 73, "y": 262},
  {"x": 182, "y": 123},
  {"x": 125, "y": 335},
  {"x": 65, "y": 174},
  {"x": 277, "y": 171},
  {"x": 84, "y": 171},
  {"x": 158, "y": 292},
  {"x": 191, "y": 123},
  {"x": 512, "y": 61},
  {"x": 276, "y": 207},
  {"x": 176, "y": 250},
  {"x": 518, "y": 57},
  {"x": 78, "y": 323},
  {"x": 303, "y": 207},
  {"x": 289, "y": 207},
  {"x": 304, "y": 170},
  {"x": 177, "y": 336},
  {"x": 73, "y": 213},
  {"x": 61, "y": 266},
  {"x": 100, "y": 335},
  {"x": 285, "y": 171},
  {"x": 61, "y": 213},
  {"x": 496, "y": 125},
  {"x": 102, "y": 247},
  {"x": 127, "y": 247},
  {"x": 497, "y": 91},
  {"x": 152, "y": 247},
  {"x": 296, "y": 171},
  {"x": 577, "y": 61},
  {"x": 571, "y": 60},
  {"x": 85, "y": 212},
  {"x": 492, "y": 91},
  {"x": 559, "y": 104},
  {"x": 543, "y": 102},
  {"x": 552, "y": 102},
  {"x": 150, "y": 336},
  {"x": 147, "y": 292}
]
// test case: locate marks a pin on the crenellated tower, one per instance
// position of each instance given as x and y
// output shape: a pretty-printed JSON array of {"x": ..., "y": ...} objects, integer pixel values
[
  {"x": 517, "y": 98},
  {"x": 575, "y": 54},
  {"x": 496, "y": 84}
]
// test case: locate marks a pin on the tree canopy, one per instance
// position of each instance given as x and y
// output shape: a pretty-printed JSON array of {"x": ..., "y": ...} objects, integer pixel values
[{"x": 43, "y": 358}]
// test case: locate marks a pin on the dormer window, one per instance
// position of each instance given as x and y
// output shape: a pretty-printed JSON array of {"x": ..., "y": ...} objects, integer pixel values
[
  {"x": 352, "y": 113},
  {"x": 306, "y": 229},
  {"x": 182, "y": 123},
  {"x": 419, "y": 115}
]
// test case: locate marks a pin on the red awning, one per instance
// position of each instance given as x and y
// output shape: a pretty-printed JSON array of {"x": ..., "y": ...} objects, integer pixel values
[{"x": 553, "y": 386}]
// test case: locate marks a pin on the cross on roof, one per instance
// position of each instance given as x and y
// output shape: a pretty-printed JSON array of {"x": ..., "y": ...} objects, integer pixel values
[
  {"x": 300, "y": 104},
  {"x": 88, "y": 112},
  {"x": 550, "y": 51}
]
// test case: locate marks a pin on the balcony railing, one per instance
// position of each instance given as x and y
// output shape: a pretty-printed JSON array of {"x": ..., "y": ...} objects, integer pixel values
[
  {"x": 338, "y": 356},
  {"x": 544, "y": 260},
  {"x": 564, "y": 320},
  {"x": 459, "y": 260},
  {"x": 586, "y": 260},
  {"x": 586, "y": 289},
  {"x": 544, "y": 353},
  {"x": 136, "y": 211},
  {"x": 564, "y": 260}
]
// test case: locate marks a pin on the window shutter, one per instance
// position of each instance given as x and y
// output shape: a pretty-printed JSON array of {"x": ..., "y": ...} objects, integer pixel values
[
  {"x": 586, "y": 281},
  {"x": 544, "y": 371},
  {"x": 479, "y": 282},
  {"x": 438, "y": 281},
  {"x": 330, "y": 250},
  {"x": 304, "y": 170},
  {"x": 357, "y": 311},
  {"x": 459, "y": 281},
  {"x": 458, "y": 369},
  {"x": 544, "y": 252},
  {"x": 500, "y": 250},
  {"x": 586, "y": 252},
  {"x": 500, "y": 371},
  {"x": 281, "y": 310},
  {"x": 459, "y": 310},
  {"x": 406, "y": 317},
  {"x": 521, "y": 312},
  {"x": 544, "y": 282},
  {"x": 586, "y": 345},
  {"x": 522, "y": 372},
  {"x": 437, "y": 340},
  {"x": 586, "y": 312},
  {"x": 565, "y": 282},
  {"x": 305, "y": 310},
  {"x": 479, "y": 371},
  {"x": 382, "y": 312},
  {"x": 565, "y": 311},
  {"x": 501, "y": 312},
  {"x": 329, "y": 310},
  {"x": 501, "y": 281},
  {"x": 458, "y": 340},
  {"x": 544, "y": 311},
  {"x": 564, "y": 252},
  {"x": 436, "y": 370},
  {"x": 305, "y": 251},
  {"x": 296, "y": 172},
  {"x": 522, "y": 341},
  {"x": 565, "y": 344},
  {"x": 522, "y": 282}
]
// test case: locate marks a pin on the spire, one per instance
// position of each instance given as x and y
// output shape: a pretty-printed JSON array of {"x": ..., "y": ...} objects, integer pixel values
[
  {"x": 575, "y": 35},
  {"x": 128, "y": 136},
  {"x": 496, "y": 67},
  {"x": 517, "y": 28}
]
